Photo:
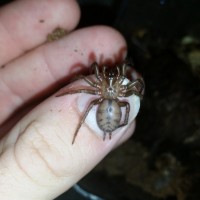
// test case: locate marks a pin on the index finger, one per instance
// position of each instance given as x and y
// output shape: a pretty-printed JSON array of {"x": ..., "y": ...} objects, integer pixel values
[{"x": 26, "y": 24}]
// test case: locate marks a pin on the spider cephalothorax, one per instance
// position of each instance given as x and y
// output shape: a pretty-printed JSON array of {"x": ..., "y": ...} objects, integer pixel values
[{"x": 109, "y": 87}]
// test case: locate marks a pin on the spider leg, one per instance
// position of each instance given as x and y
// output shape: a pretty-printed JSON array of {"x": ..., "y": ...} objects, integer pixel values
[
  {"x": 138, "y": 84},
  {"x": 131, "y": 88},
  {"x": 104, "y": 136},
  {"x": 118, "y": 72},
  {"x": 104, "y": 71},
  {"x": 93, "y": 84},
  {"x": 127, "y": 105},
  {"x": 131, "y": 92},
  {"x": 90, "y": 82},
  {"x": 94, "y": 102},
  {"x": 96, "y": 70},
  {"x": 121, "y": 79},
  {"x": 123, "y": 69},
  {"x": 110, "y": 135},
  {"x": 64, "y": 91}
]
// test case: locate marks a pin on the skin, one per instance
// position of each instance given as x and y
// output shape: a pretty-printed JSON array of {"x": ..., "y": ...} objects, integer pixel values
[{"x": 37, "y": 160}]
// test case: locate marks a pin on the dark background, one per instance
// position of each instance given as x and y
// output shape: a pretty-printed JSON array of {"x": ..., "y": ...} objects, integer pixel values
[{"x": 162, "y": 159}]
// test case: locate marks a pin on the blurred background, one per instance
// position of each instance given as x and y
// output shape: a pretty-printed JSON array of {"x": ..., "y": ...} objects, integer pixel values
[{"x": 162, "y": 159}]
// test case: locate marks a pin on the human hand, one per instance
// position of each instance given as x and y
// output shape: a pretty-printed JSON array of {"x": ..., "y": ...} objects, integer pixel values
[{"x": 37, "y": 159}]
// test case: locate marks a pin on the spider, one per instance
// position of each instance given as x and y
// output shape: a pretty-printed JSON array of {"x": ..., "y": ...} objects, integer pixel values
[{"x": 109, "y": 86}]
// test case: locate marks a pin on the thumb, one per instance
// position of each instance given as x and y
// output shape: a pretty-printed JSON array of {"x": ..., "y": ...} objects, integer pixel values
[{"x": 38, "y": 160}]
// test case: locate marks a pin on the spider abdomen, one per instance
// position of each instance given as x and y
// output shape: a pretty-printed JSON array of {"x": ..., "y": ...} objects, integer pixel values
[{"x": 108, "y": 115}]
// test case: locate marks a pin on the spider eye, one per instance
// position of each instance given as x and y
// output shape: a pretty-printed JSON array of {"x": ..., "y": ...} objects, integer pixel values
[{"x": 111, "y": 73}]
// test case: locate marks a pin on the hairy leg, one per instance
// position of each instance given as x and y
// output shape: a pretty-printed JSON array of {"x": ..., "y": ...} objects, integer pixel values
[{"x": 94, "y": 102}]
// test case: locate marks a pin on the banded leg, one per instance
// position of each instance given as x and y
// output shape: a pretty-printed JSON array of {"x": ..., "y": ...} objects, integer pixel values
[
  {"x": 87, "y": 80},
  {"x": 74, "y": 91},
  {"x": 104, "y": 135},
  {"x": 127, "y": 105},
  {"x": 135, "y": 87},
  {"x": 138, "y": 84},
  {"x": 93, "y": 84},
  {"x": 96, "y": 70},
  {"x": 131, "y": 92},
  {"x": 123, "y": 69},
  {"x": 94, "y": 102},
  {"x": 110, "y": 135}
]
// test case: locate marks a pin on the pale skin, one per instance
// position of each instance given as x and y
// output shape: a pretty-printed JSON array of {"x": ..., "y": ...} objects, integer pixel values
[{"x": 37, "y": 160}]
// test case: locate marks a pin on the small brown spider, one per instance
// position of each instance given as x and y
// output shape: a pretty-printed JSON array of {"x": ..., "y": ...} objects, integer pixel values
[{"x": 108, "y": 86}]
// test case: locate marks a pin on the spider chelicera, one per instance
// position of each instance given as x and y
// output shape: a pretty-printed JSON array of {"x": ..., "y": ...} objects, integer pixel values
[{"x": 108, "y": 86}]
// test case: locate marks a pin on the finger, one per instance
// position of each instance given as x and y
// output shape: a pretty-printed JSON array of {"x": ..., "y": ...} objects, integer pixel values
[
  {"x": 45, "y": 66},
  {"x": 39, "y": 154},
  {"x": 26, "y": 24}
]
